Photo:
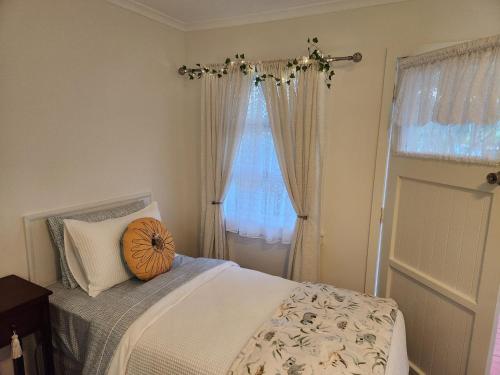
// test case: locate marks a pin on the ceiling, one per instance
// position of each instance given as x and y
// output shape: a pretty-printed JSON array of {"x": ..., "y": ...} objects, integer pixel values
[{"x": 206, "y": 14}]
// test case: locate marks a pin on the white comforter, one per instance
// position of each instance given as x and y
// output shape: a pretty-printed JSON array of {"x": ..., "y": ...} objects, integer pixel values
[{"x": 201, "y": 327}]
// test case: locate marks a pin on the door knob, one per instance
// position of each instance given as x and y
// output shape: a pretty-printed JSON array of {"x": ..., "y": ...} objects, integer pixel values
[{"x": 493, "y": 178}]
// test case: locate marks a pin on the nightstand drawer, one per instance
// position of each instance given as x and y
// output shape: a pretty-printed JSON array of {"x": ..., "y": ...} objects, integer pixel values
[{"x": 27, "y": 319}]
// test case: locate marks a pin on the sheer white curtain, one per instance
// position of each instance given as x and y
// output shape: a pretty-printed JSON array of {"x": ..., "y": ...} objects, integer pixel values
[
  {"x": 295, "y": 114},
  {"x": 224, "y": 104},
  {"x": 447, "y": 103},
  {"x": 257, "y": 203}
]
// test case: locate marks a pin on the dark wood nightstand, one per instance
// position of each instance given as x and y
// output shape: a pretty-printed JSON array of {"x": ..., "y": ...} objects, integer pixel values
[{"x": 26, "y": 305}]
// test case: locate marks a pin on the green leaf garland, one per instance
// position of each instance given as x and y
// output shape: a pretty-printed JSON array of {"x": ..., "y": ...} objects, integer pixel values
[{"x": 315, "y": 58}]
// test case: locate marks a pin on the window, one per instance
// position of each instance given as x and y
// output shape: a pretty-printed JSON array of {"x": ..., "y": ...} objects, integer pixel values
[
  {"x": 447, "y": 103},
  {"x": 479, "y": 143},
  {"x": 257, "y": 204}
]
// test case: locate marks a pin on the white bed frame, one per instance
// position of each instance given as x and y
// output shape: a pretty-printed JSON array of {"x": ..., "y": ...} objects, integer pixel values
[{"x": 42, "y": 257}]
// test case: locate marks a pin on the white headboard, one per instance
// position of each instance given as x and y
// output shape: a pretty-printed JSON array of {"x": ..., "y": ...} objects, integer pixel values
[{"x": 43, "y": 265}]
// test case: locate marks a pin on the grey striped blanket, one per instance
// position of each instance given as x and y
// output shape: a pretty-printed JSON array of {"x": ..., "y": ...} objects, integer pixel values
[{"x": 88, "y": 330}]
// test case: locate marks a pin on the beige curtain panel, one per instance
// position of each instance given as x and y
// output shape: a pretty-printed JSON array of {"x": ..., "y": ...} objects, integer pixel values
[
  {"x": 295, "y": 114},
  {"x": 224, "y": 106}
]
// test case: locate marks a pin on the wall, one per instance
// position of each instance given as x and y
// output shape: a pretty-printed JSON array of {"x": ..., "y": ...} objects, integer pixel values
[
  {"x": 353, "y": 107},
  {"x": 91, "y": 108},
  {"x": 257, "y": 254}
]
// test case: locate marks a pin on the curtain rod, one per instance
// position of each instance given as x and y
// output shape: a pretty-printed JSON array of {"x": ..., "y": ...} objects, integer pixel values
[{"x": 355, "y": 57}]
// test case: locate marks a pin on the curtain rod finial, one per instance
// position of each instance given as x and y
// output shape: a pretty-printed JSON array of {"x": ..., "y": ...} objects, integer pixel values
[{"x": 357, "y": 57}]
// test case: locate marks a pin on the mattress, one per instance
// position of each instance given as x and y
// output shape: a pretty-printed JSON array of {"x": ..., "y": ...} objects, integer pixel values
[{"x": 203, "y": 331}]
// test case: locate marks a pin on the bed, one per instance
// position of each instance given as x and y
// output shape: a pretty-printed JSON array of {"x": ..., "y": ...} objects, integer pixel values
[{"x": 206, "y": 317}]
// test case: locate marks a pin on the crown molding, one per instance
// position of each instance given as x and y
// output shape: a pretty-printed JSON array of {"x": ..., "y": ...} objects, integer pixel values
[
  {"x": 290, "y": 13},
  {"x": 150, "y": 13},
  {"x": 266, "y": 16}
]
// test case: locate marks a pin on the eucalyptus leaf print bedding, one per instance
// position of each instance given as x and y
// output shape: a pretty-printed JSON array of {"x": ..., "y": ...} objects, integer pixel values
[{"x": 320, "y": 329}]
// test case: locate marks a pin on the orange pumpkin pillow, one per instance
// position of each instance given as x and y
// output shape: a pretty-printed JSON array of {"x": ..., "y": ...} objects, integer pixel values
[{"x": 148, "y": 248}]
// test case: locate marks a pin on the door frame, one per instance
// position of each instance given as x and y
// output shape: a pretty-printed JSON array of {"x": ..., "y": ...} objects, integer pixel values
[{"x": 381, "y": 164}]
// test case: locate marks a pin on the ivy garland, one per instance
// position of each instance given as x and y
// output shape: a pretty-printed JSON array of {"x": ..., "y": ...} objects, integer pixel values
[{"x": 315, "y": 58}]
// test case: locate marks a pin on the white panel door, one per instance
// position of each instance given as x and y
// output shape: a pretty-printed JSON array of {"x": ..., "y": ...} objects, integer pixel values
[{"x": 441, "y": 261}]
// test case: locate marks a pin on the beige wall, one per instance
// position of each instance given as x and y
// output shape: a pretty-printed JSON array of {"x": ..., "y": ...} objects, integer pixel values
[
  {"x": 91, "y": 108},
  {"x": 354, "y": 103},
  {"x": 257, "y": 254}
]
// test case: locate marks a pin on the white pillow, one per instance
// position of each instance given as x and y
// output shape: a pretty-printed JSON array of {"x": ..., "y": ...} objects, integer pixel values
[{"x": 96, "y": 250}]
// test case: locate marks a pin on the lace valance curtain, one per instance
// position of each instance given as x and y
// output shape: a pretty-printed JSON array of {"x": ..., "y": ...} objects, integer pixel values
[{"x": 447, "y": 103}]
